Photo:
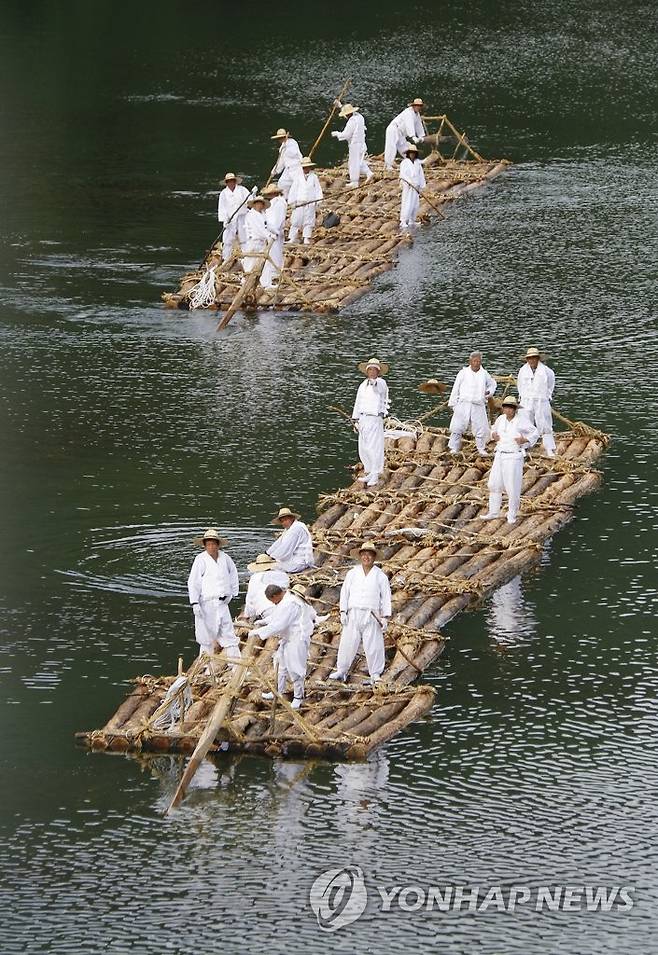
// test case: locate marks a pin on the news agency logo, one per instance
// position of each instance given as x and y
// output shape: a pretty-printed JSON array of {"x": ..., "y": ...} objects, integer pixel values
[{"x": 339, "y": 897}]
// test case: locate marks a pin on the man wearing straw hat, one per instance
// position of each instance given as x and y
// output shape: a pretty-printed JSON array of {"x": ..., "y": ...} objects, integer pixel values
[
  {"x": 304, "y": 196},
  {"x": 536, "y": 383},
  {"x": 472, "y": 389},
  {"x": 412, "y": 181},
  {"x": 370, "y": 408},
  {"x": 288, "y": 163},
  {"x": 406, "y": 125},
  {"x": 512, "y": 434},
  {"x": 294, "y": 548},
  {"x": 365, "y": 608},
  {"x": 258, "y": 235},
  {"x": 264, "y": 571},
  {"x": 212, "y": 584},
  {"x": 231, "y": 211},
  {"x": 275, "y": 220},
  {"x": 287, "y": 622},
  {"x": 354, "y": 135}
]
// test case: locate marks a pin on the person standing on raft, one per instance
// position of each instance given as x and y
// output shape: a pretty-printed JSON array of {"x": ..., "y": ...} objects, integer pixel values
[
  {"x": 406, "y": 125},
  {"x": 412, "y": 181},
  {"x": 258, "y": 235},
  {"x": 370, "y": 409},
  {"x": 304, "y": 195},
  {"x": 286, "y": 621},
  {"x": 354, "y": 135},
  {"x": 512, "y": 434},
  {"x": 472, "y": 389},
  {"x": 535, "y": 383},
  {"x": 365, "y": 608},
  {"x": 264, "y": 571},
  {"x": 288, "y": 164},
  {"x": 275, "y": 221},
  {"x": 294, "y": 548},
  {"x": 231, "y": 212},
  {"x": 211, "y": 585}
]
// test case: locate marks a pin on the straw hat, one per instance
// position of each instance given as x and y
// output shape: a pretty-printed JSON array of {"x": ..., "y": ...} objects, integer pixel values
[
  {"x": 271, "y": 190},
  {"x": 369, "y": 547},
  {"x": 416, "y": 102},
  {"x": 229, "y": 176},
  {"x": 412, "y": 148},
  {"x": 347, "y": 110},
  {"x": 284, "y": 512},
  {"x": 509, "y": 402},
  {"x": 262, "y": 562},
  {"x": 381, "y": 366},
  {"x": 281, "y": 133},
  {"x": 432, "y": 387},
  {"x": 258, "y": 198},
  {"x": 300, "y": 591},
  {"x": 211, "y": 534},
  {"x": 307, "y": 163},
  {"x": 532, "y": 353}
]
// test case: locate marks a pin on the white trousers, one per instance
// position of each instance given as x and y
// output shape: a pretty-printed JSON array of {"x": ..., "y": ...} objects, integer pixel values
[
  {"x": 256, "y": 245},
  {"x": 506, "y": 475},
  {"x": 538, "y": 413},
  {"x": 468, "y": 414},
  {"x": 409, "y": 207},
  {"x": 272, "y": 269},
  {"x": 362, "y": 625},
  {"x": 302, "y": 219},
  {"x": 395, "y": 142},
  {"x": 291, "y": 658},
  {"x": 356, "y": 162},
  {"x": 234, "y": 230},
  {"x": 371, "y": 443},
  {"x": 214, "y": 625}
]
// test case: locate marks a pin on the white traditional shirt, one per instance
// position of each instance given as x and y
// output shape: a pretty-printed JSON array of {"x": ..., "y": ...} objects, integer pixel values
[
  {"x": 412, "y": 172},
  {"x": 355, "y": 130},
  {"x": 294, "y": 548},
  {"x": 472, "y": 386},
  {"x": 285, "y": 621},
  {"x": 275, "y": 216},
  {"x": 371, "y": 398},
  {"x": 230, "y": 200},
  {"x": 289, "y": 155},
  {"x": 256, "y": 603},
  {"x": 308, "y": 619},
  {"x": 212, "y": 578},
  {"x": 371, "y": 591},
  {"x": 535, "y": 385},
  {"x": 509, "y": 430},
  {"x": 409, "y": 123},
  {"x": 257, "y": 231},
  {"x": 305, "y": 189}
]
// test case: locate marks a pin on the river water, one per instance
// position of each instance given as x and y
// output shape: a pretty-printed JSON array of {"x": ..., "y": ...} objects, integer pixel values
[{"x": 126, "y": 428}]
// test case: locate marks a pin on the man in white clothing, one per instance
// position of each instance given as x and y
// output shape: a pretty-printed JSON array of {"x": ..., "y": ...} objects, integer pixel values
[
  {"x": 354, "y": 135},
  {"x": 468, "y": 399},
  {"x": 365, "y": 608},
  {"x": 304, "y": 196},
  {"x": 287, "y": 622},
  {"x": 288, "y": 163},
  {"x": 370, "y": 408},
  {"x": 275, "y": 221},
  {"x": 406, "y": 125},
  {"x": 231, "y": 212},
  {"x": 294, "y": 548},
  {"x": 258, "y": 235},
  {"x": 412, "y": 181},
  {"x": 512, "y": 434},
  {"x": 264, "y": 571},
  {"x": 536, "y": 383},
  {"x": 212, "y": 584}
]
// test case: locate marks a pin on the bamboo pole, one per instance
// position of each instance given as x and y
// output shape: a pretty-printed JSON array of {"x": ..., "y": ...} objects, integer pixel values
[
  {"x": 346, "y": 85},
  {"x": 250, "y": 283}
]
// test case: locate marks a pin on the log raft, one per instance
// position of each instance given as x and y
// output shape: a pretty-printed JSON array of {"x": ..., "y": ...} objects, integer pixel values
[
  {"x": 441, "y": 559},
  {"x": 342, "y": 261}
]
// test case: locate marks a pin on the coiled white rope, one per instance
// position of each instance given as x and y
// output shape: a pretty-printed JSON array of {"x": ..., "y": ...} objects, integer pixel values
[{"x": 203, "y": 293}]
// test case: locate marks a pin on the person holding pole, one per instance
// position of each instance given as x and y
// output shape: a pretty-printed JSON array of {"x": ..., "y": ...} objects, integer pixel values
[
  {"x": 304, "y": 196},
  {"x": 370, "y": 408},
  {"x": 275, "y": 221},
  {"x": 288, "y": 163},
  {"x": 354, "y": 135},
  {"x": 286, "y": 621},
  {"x": 412, "y": 181},
  {"x": 231, "y": 212},
  {"x": 536, "y": 383},
  {"x": 365, "y": 609},
  {"x": 406, "y": 125},
  {"x": 258, "y": 235},
  {"x": 512, "y": 434}
]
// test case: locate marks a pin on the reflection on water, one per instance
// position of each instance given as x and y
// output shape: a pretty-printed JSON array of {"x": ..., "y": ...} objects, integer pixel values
[{"x": 510, "y": 618}]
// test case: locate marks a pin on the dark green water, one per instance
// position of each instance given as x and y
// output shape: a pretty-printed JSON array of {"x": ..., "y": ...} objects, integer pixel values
[{"x": 125, "y": 428}]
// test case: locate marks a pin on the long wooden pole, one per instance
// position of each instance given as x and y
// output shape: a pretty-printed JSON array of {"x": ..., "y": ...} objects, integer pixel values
[
  {"x": 250, "y": 283},
  {"x": 214, "y": 724},
  {"x": 422, "y": 196},
  {"x": 345, "y": 87}
]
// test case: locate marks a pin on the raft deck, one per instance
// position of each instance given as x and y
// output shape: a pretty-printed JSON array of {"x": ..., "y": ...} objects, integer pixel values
[
  {"x": 342, "y": 262},
  {"x": 423, "y": 517}
]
